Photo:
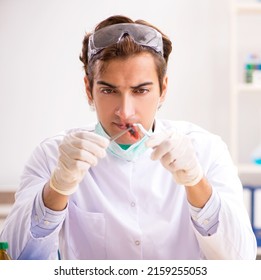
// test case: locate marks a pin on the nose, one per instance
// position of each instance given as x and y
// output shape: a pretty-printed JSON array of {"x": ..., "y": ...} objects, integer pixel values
[{"x": 126, "y": 108}]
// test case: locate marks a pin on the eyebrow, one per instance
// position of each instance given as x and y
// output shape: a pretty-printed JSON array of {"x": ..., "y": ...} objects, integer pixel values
[
  {"x": 143, "y": 84},
  {"x": 133, "y": 87},
  {"x": 106, "y": 84}
]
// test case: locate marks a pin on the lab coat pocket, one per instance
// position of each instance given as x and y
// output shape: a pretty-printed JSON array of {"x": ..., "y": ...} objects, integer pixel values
[{"x": 86, "y": 233}]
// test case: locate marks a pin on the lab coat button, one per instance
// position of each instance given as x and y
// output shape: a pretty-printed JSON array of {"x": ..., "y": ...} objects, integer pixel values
[
  {"x": 133, "y": 204},
  {"x": 46, "y": 223},
  {"x": 137, "y": 242},
  {"x": 206, "y": 222}
]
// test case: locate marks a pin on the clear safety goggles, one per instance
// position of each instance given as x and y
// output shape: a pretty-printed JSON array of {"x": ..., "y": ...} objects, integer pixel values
[{"x": 112, "y": 34}]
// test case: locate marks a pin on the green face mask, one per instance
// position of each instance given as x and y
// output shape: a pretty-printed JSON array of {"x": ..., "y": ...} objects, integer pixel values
[{"x": 129, "y": 154}]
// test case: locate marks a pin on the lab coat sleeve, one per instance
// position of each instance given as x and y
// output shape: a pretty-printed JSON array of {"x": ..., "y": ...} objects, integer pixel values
[
  {"x": 45, "y": 224},
  {"x": 17, "y": 227},
  {"x": 44, "y": 220},
  {"x": 234, "y": 238},
  {"x": 206, "y": 219}
]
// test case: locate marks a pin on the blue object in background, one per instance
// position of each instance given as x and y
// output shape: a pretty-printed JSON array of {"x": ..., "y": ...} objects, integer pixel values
[
  {"x": 256, "y": 155},
  {"x": 257, "y": 231},
  {"x": 257, "y": 161}
]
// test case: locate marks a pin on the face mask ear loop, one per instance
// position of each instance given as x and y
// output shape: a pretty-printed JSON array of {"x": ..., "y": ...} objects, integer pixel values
[
  {"x": 92, "y": 108},
  {"x": 159, "y": 105}
]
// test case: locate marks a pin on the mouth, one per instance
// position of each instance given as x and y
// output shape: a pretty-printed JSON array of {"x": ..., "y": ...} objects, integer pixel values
[
  {"x": 121, "y": 126},
  {"x": 132, "y": 130}
]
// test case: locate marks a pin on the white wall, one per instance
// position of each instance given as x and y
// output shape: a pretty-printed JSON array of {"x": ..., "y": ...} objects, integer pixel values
[{"x": 41, "y": 77}]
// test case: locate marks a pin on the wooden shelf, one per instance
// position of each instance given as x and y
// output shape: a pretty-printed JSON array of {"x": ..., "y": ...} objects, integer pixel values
[
  {"x": 249, "y": 88},
  {"x": 250, "y": 175},
  {"x": 249, "y": 169},
  {"x": 6, "y": 188},
  {"x": 249, "y": 8}
]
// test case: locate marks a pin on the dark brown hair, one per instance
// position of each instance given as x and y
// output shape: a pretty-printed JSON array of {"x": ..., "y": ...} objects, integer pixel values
[{"x": 123, "y": 49}]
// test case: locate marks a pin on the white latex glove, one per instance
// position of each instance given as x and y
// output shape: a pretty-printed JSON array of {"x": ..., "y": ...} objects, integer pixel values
[
  {"x": 177, "y": 154},
  {"x": 78, "y": 152}
]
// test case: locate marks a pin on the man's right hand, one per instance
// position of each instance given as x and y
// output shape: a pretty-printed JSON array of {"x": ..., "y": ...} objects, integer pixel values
[{"x": 78, "y": 152}]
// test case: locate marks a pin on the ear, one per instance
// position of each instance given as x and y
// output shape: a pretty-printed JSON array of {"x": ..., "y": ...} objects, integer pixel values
[
  {"x": 88, "y": 90},
  {"x": 164, "y": 90}
]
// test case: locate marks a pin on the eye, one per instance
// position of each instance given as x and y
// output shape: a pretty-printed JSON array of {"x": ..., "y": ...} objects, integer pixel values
[
  {"x": 141, "y": 91},
  {"x": 107, "y": 90}
]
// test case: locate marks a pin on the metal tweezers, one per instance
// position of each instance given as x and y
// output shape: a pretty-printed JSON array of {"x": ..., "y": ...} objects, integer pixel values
[
  {"x": 120, "y": 134},
  {"x": 143, "y": 130}
]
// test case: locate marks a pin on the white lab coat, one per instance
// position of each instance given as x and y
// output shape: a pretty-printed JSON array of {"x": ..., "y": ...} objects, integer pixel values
[{"x": 132, "y": 210}]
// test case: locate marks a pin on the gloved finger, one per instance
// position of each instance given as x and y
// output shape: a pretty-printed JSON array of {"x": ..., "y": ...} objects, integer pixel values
[
  {"x": 172, "y": 139},
  {"x": 71, "y": 156},
  {"x": 93, "y": 137},
  {"x": 74, "y": 146},
  {"x": 164, "y": 148},
  {"x": 183, "y": 153},
  {"x": 185, "y": 164},
  {"x": 71, "y": 165},
  {"x": 168, "y": 160},
  {"x": 176, "y": 158},
  {"x": 158, "y": 138}
]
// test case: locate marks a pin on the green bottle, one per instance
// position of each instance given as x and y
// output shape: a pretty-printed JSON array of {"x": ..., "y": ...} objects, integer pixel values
[
  {"x": 249, "y": 73},
  {"x": 3, "y": 251}
]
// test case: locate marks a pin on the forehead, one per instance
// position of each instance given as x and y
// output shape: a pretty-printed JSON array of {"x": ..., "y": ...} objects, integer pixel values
[{"x": 139, "y": 64}]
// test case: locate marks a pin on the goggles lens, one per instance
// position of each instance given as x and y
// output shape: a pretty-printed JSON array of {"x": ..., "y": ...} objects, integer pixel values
[{"x": 112, "y": 34}]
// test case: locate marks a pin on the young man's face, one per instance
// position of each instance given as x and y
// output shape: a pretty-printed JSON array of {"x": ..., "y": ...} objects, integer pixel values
[{"x": 127, "y": 92}]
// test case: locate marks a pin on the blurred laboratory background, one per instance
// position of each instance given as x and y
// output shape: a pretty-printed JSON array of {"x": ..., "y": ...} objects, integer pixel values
[{"x": 214, "y": 77}]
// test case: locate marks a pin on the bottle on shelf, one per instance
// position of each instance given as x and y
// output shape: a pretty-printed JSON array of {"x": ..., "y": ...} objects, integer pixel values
[
  {"x": 251, "y": 66},
  {"x": 3, "y": 251},
  {"x": 257, "y": 73},
  {"x": 256, "y": 155}
]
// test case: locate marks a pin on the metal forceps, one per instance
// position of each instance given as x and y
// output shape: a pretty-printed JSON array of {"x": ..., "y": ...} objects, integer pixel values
[
  {"x": 120, "y": 134},
  {"x": 130, "y": 128}
]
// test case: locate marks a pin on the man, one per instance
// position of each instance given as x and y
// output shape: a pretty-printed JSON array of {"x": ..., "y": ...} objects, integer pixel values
[{"x": 161, "y": 190}]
